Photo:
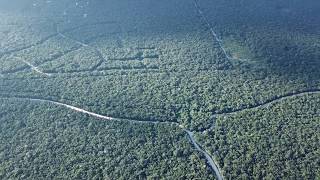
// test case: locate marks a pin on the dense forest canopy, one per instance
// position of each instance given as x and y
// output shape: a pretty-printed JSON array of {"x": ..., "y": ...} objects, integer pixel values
[{"x": 169, "y": 89}]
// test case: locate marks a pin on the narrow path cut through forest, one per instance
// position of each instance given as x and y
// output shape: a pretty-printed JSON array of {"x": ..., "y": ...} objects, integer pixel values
[
  {"x": 272, "y": 101},
  {"x": 261, "y": 105},
  {"x": 212, "y": 31},
  {"x": 33, "y": 67}
]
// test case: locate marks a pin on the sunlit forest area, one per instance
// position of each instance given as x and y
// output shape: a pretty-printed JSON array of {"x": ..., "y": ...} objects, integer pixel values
[{"x": 170, "y": 89}]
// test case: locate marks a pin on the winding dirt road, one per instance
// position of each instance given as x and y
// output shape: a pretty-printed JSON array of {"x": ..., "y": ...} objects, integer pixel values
[
  {"x": 210, "y": 161},
  {"x": 267, "y": 103},
  {"x": 272, "y": 101},
  {"x": 214, "y": 166}
]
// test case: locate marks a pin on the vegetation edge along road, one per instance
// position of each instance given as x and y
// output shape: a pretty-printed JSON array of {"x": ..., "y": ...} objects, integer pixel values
[
  {"x": 210, "y": 161},
  {"x": 263, "y": 104},
  {"x": 213, "y": 165},
  {"x": 273, "y": 100}
]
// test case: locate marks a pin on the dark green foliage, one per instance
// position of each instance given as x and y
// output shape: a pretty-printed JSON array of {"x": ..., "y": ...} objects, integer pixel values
[
  {"x": 279, "y": 141},
  {"x": 43, "y": 141},
  {"x": 159, "y": 61}
]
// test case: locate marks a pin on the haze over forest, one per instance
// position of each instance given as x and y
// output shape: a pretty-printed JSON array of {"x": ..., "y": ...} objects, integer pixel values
[{"x": 149, "y": 89}]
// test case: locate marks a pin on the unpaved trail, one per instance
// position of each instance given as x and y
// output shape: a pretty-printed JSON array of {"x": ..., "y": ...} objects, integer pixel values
[
  {"x": 267, "y": 103},
  {"x": 272, "y": 101},
  {"x": 212, "y": 32},
  {"x": 71, "y": 39},
  {"x": 33, "y": 67},
  {"x": 97, "y": 51}
]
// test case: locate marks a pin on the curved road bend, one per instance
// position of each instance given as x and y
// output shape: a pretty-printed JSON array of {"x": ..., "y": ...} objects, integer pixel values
[
  {"x": 211, "y": 162},
  {"x": 261, "y": 105},
  {"x": 272, "y": 101}
]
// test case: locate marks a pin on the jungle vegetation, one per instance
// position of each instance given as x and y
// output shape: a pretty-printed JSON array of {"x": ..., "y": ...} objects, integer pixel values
[{"x": 255, "y": 110}]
